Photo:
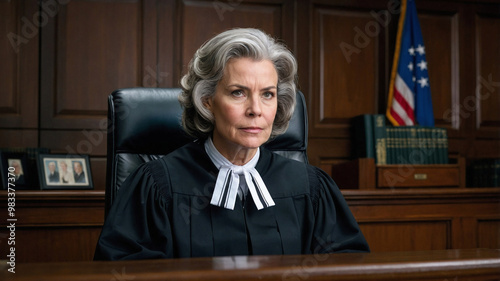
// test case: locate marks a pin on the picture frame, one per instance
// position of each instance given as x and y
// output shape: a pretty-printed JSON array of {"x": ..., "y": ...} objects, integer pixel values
[
  {"x": 64, "y": 171},
  {"x": 21, "y": 171}
]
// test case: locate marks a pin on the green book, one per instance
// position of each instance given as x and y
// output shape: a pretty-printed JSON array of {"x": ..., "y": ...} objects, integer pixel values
[
  {"x": 422, "y": 145},
  {"x": 495, "y": 181},
  {"x": 431, "y": 150},
  {"x": 379, "y": 139},
  {"x": 405, "y": 144},
  {"x": 362, "y": 136},
  {"x": 442, "y": 146},
  {"x": 414, "y": 154},
  {"x": 390, "y": 145},
  {"x": 398, "y": 147}
]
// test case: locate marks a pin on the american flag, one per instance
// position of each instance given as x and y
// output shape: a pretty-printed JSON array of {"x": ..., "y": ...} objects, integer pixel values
[{"x": 410, "y": 101}]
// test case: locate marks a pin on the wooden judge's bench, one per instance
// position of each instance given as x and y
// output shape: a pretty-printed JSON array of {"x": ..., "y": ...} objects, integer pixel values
[
  {"x": 415, "y": 234},
  {"x": 54, "y": 226},
  {"x": 480, "y": 264}
]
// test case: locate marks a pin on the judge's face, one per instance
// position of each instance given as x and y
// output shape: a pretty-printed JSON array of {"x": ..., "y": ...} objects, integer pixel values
[{"x": 244, "y": 105}]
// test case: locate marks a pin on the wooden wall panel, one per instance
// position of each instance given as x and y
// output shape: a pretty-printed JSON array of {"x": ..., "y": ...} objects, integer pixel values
[
  {"x": 54, "y": 225},
  {"x": 9, "y": 12},
  {"x": 19, "y": 64},
  {"x": 440, "y": 32},
  {"x": 488, "y": 233},
  {"x": 96, "y": 54},
  {"x": 427, "y": 219},
  {"x": 410, "y": 235},
  {"x": 55, "y": 243},
  {"x": 484, "y": 148},
  {"x": 325, "y": 151},
  {"x": 201, "y": 20},
  {"x": 91, "y": 48},
  {"x": 18, "y": 138},
  {"x": 92, "y": 142},
  {"x": 487, "y": 96},
  {"x": 98, "y": 168},
  {"x": 345, "y": 46}
]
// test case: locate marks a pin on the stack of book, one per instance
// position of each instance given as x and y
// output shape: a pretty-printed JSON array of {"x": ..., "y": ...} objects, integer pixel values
[
  {"x": 484, "y": 173},
  {"x": 372, "y": 138}
]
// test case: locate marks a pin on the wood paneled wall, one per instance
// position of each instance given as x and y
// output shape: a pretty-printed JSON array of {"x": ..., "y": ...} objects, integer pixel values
[{"x": 61, "y": 59}]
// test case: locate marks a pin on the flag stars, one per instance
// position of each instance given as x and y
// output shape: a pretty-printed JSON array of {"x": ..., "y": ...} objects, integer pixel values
[
  {"x": 411, "y": 50},
  {"x": 423, "y": 82},
  {"x": 422, "y": 65},
  {"x": 420, "y": 49},
  {"x": 410, "y": 66}
]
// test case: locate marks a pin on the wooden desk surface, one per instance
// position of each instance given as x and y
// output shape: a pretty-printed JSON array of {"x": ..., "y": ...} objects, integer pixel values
[{"x": 474, "y": 264}]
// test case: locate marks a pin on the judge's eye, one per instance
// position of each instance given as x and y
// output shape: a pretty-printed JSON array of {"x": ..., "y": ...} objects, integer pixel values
[
  {"x": 237, "y": 93},
  {"x": 268, "y": 95}
]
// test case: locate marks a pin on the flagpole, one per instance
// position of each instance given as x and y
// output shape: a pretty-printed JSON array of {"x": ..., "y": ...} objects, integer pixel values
[{"x": 395, "y": 62}]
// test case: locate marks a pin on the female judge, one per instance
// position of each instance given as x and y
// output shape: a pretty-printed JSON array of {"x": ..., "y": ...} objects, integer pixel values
[{"x": 224, "y": 194}]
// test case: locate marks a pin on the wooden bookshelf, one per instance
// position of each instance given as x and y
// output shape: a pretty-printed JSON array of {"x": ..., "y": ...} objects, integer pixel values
[{"x": 364, "y": 174}]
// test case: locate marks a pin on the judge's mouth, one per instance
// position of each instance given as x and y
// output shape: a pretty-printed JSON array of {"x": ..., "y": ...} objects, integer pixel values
[{"x": 252, "y": 130}]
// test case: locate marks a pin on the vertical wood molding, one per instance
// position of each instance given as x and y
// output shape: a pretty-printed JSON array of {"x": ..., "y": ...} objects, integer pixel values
[
  {"x": 168, "y": 52},
  {"x": 487, "y": 92}
]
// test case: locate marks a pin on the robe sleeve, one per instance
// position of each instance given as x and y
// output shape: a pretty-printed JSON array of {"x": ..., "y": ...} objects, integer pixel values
[
  {"x": 335, "y": 228},
  {"x": 138, "y": 225}
]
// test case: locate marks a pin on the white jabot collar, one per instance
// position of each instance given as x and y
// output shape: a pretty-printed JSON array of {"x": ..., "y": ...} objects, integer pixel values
[{"x": 228, "y": 180}]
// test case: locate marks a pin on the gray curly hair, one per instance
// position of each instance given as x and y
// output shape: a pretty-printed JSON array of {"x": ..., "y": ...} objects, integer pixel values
[{"x": 206, "y": 69}]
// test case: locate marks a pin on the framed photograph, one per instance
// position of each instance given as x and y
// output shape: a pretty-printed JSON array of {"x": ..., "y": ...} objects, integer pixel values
[
  {"x": 60, "y": 171},
  {"x": 15, "y": 165}
]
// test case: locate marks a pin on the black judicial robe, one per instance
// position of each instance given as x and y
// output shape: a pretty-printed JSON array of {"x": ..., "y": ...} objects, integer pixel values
[{"x": 163, "y": 210}]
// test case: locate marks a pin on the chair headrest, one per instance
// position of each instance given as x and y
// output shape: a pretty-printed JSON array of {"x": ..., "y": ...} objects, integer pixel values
[{"x": 148, "y": 120}]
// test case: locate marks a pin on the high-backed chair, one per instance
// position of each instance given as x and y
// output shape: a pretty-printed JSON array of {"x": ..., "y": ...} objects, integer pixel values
[{"x": 145, "y": 124}]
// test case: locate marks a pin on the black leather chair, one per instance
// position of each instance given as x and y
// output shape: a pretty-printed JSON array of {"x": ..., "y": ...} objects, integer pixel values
[{"x": 145, "y": 124}]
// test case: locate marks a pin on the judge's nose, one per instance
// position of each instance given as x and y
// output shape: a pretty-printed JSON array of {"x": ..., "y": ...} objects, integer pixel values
[{"x": 254, "y": 107}]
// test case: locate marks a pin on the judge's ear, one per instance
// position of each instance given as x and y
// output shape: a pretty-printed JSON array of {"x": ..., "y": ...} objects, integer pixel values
[{"x": 207, "y": 103}]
